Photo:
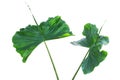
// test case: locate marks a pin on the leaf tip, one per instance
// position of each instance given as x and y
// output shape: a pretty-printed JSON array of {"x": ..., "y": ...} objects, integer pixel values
[{"x": 24, "y": 60}]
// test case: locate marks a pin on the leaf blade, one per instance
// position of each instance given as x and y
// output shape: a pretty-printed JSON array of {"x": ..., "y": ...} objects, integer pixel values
[
  {"x": 94, "y": 41},
  {"x": 83, "y": 42},
  {"x": 91, "y": 33},
  {"x": 27, "y": 39},
  {"x": 94, "y": 58}
]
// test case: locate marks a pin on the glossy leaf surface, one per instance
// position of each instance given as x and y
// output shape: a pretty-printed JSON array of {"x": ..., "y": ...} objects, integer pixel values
[
  {"x": 27, "y": 39},
  {"x": 94, "y": 42}
]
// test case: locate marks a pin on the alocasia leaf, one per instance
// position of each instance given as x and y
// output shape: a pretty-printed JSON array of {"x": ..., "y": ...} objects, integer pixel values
[
  {"x": 83, "y": 42},
  {"x": 103, "y": 40},
  {"x": 93, "y": 59},
  {"x": 91, "y": 33},
  {"x": 27, "y": 39},
  {"x": 94, "y": 41}
]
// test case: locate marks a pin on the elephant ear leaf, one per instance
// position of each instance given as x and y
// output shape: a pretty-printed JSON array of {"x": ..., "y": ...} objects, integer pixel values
[
  {"x": 27, "y": 39},
  {"x": 91, "y": 34},
  {"x": 94, "y": 41}
]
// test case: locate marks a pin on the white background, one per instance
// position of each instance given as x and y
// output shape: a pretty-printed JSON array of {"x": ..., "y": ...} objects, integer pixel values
[{"x": 14, "y": 15}]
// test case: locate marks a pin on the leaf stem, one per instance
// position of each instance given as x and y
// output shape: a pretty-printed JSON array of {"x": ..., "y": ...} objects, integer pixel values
[
  {"x": 51, "y": 61},
  {"x": 31, "y": 13},
  {"x": 102, "y": 26},
  {"x": 45, "y": 44},
  {"x": 80, "y": 65}
]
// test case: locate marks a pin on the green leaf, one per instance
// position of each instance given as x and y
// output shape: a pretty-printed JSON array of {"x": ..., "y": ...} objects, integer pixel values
[
  {"x": 103, "y": 40},
  {"x": 27, "y": 39},
  {"x": 93, "y": 59},
  {"x": 91, "y": 33},
  {"x": 83, "y": 42},
  {"x": 94, "y": 41}
]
